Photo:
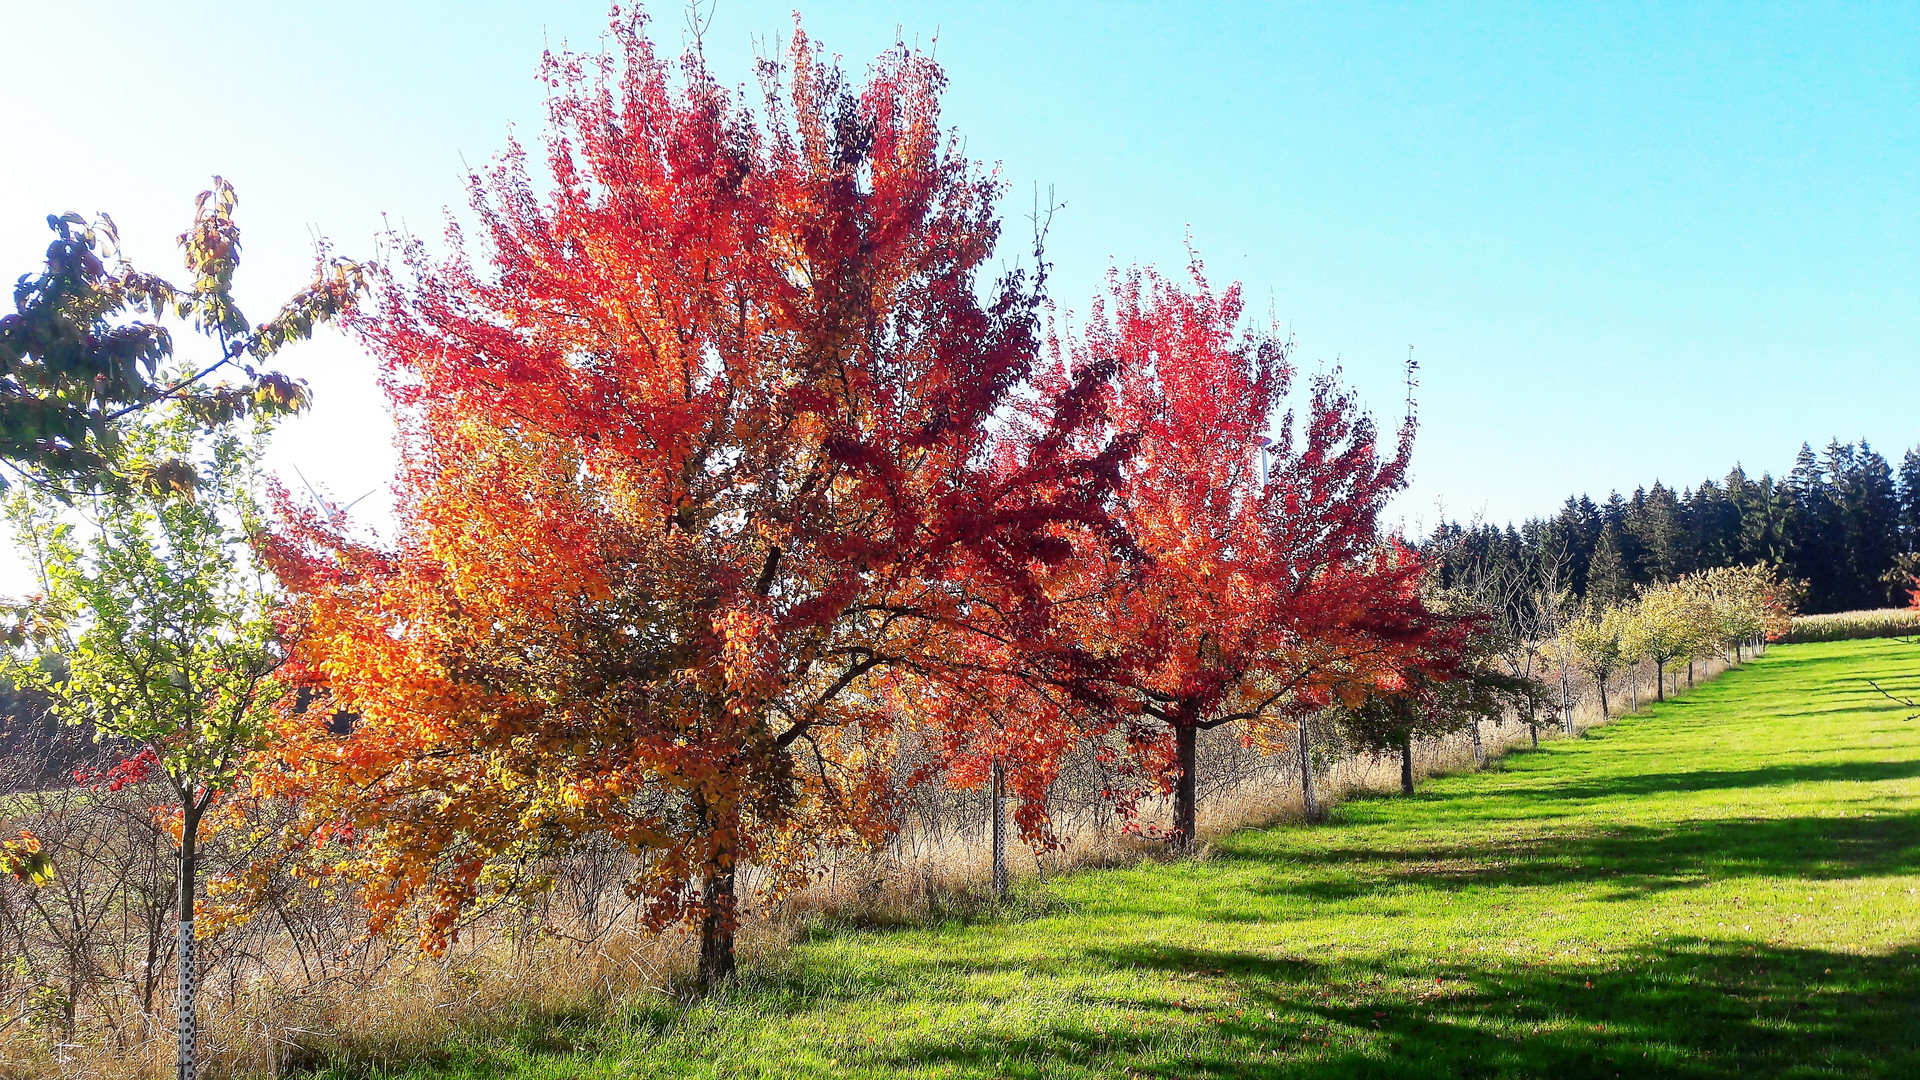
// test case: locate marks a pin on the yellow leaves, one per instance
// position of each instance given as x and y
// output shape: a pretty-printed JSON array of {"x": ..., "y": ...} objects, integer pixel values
[
  {"x": 24, "y": 860},
  {"x": 1669, "y": 622}
]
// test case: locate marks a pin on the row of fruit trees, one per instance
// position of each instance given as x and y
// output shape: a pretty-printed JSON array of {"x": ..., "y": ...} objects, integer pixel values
[{"x": 729, "y": 478}]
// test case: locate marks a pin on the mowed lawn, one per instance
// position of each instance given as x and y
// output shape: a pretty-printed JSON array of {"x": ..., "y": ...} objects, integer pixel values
[{"x": 1727, "y": 885}]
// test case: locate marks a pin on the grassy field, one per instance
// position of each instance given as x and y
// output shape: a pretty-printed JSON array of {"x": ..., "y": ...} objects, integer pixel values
[{"x": 1723, "y": 886}]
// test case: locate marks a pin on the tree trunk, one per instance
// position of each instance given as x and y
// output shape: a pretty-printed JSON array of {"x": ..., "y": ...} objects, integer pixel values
[
  {"x": 187, "y": 1023},
  {"x": 999, "y": 829},
  {"x": 1306, "y": 772},
  {"x": 1689, "y": 674},
  {"x": 1604, "y": 712},
  {"x": 1533, "y": 729},
  {"x": 1479, "y": 751},
  {"x": 1184, "y": 798},
  {"x": 1406, "y": 763},
  {"x": 1660, "y": 679},
  {"x": 151, "y": 970},
  {"x": 717, "y": 923}
]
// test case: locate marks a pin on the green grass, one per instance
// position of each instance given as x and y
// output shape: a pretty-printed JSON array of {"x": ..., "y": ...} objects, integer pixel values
[{"x": 1724, "y": 886}]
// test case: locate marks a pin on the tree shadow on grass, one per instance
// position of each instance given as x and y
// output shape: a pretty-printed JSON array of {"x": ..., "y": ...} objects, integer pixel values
[
  {"x": 1682, "y": 1008},
  {"x": 1687, "y": 1008},
  {"x": 1630, "y": 861},
  {"x": 1635, "y": 784},
  {"x": 1794, "y": 666}
]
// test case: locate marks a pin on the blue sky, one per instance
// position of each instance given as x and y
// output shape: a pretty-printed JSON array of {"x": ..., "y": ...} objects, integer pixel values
[{"x": 1626, "y": 241}]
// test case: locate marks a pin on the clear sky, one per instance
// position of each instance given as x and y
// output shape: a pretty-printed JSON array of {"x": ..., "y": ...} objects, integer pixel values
[{"x": 1627, "y": 241}]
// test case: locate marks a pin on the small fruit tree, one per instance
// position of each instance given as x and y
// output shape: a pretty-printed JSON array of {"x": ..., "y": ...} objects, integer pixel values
[{"x": 157, "y": 629}]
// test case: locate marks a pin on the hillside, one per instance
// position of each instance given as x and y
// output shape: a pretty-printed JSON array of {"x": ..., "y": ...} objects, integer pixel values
[{"x": 1727, "y": 885}]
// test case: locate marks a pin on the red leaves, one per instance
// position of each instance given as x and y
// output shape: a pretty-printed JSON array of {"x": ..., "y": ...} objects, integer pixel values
[
  {"x": 1260, "y": 547},
  {"x": 701, "y": 473},
  {"x": 137, "y": 769},
  {"x": 750, "y": 658},
  {"x": 723, "y": 485},
  {"x": 1261, "y": 587}
]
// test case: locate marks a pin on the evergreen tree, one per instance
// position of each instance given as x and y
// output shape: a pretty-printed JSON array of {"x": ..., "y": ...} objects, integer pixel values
[
  {"x": 1815, "y": 547},
  {"x": 1614, "y": 512},
  {"x": 1633, "y": 546},
  {"x": 1576, "y": 531},
  {"x": 1664, "y": 535},
  {"x": 1763, "y": 517},
  {"x": 1713, "y": 525},
  {"x": 1607, "y": 580},
  {"x": 1869, "y": 503},
  {"x": 1910, "y": 501}
]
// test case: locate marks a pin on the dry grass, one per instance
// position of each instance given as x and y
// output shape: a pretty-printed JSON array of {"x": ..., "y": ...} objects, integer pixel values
[
  {"x": 1852, "y": 625},
  {"x": 408, "y": 1008}
]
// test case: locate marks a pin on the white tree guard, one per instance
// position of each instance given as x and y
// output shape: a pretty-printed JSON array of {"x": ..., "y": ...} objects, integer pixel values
[{"x": 188, "y": 1029}]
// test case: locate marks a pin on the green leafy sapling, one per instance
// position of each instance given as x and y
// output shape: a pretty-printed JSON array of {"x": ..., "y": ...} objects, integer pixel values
[{"x": 155, "y": 626}]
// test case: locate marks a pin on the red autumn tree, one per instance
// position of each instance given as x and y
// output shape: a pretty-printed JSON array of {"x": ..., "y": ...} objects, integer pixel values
[
  {"x": 1259, "y": 584},
  {"x": 702, "y": 467}
]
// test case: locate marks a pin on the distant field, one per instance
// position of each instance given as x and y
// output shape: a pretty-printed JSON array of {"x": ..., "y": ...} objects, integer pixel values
[
  {"x": 1728, "y": 885},
  {"x": 1854, "y": 625}
]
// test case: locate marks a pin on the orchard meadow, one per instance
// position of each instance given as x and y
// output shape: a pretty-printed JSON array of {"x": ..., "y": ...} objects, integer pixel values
[{"x": 800, "y": 650}]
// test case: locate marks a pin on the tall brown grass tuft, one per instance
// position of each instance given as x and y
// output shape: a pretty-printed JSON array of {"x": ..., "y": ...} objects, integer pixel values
[{"x": 1849, "y": 625}]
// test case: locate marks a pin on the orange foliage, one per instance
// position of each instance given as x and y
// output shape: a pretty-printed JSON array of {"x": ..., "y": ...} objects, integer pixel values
[
  {"x": 725, "y": 489},
  {"x": 703, "y": 476}
]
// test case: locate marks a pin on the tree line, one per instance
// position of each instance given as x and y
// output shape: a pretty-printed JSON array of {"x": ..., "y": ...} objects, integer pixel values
[
  {"x": 1843, "y": 522},
  {"x": 731, "y": 482},
  {"x": 1709, "y": 614}
]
